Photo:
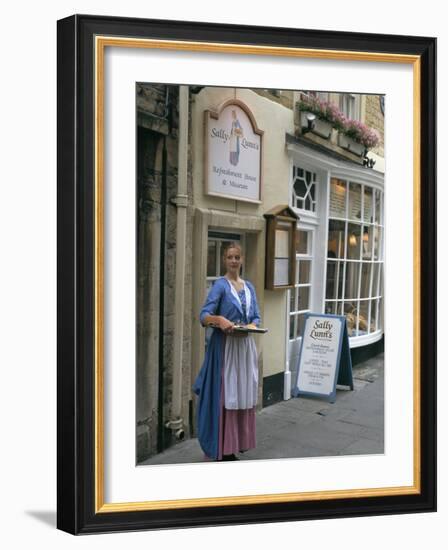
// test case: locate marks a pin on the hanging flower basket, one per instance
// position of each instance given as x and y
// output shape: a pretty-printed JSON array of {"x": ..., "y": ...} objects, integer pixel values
[
  {"x": 322, "y": 128},
  {"x": 350, "y": 144}
]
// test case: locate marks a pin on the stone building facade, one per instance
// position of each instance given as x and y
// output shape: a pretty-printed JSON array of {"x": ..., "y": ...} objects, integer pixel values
[{"x": 174, "y": 275}]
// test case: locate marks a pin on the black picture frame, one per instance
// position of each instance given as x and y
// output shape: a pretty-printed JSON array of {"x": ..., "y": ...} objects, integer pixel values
[{"x": 79, "y": 495}]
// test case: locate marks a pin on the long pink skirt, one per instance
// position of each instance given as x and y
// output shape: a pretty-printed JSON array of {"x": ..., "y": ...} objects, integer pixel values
[{"x": 236, "y": 429}]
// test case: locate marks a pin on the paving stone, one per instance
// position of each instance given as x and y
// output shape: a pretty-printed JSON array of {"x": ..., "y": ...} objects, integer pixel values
[{"x": 363, "y": 446}]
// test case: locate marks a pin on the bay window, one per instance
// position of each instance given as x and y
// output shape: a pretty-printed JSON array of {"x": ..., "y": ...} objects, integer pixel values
[{"x": 354, "y": 281}]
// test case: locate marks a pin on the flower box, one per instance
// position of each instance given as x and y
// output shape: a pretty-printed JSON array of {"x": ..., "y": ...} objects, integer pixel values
[
  {"x": 322, "y": 128},
  {"x": 350, "y": 144}
]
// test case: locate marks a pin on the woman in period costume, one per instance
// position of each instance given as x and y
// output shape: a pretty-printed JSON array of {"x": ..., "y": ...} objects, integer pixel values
[{"x": 227, "y": 384}]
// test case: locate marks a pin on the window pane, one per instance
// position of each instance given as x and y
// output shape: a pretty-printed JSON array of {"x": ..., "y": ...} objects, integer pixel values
[
  {"x": 380, "y": 314},
  {"x": 300, "y": 188},
  {"x": 351, "y": 280},
  {"x": 336, "y": 235},
  {"x": 292, "y": 300},
  {"x": 350, "y": 312},
  {"x": 367, "y": 242},
  {"x": 292, "y": 322},
  {"x": 376, "y": 271},
  {"x": 377, "y": 243},
  {"x": 300, "y": 325},
  {"x": 334, "y": 280},
  {"x": 330, "y": 308},
  {"x": 368, "y": 205},
  {"x": 304, "y": 298},
  {"x": 304, "y": 189},
  {"x": 302, "y": 241},
  {"x": 337, "y": 198},
  {"x": 378, "y": 212},
  {"x": 373, "y": 315},
  {"x": 363, "y": 327},
  {"x": 304, "y": 271},
  {"x": 354, "y": 241},
  {"x": 365, "y": 280},
  {"x": 211, "y": 259},
  {"x": 381, "y": 276},
  {"x": 354, "y": 201}
]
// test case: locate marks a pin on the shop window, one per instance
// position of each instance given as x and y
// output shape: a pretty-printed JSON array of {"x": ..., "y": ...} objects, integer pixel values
[
  {"x": 354, "y": 285},
  {"x": 303, "y": 189}
]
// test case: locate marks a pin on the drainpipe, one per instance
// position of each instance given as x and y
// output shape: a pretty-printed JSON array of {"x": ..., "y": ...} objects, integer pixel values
[
  {"x": 160, "y": 434},
  {"x": 176, "y": 422}
]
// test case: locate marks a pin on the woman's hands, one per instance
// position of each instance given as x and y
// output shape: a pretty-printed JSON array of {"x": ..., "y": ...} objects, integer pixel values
[
  {"x": 225, "y": 325},
  {"x": 220, "y": 322}
]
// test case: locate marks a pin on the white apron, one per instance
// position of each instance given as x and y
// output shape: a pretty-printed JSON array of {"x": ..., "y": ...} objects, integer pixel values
[
  {"x": 240, "y": 369},
  {"x": 240, "y": 373}
]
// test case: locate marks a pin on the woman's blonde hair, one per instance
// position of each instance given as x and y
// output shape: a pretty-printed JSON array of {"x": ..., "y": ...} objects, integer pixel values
[{"x": 228, "y": 246}]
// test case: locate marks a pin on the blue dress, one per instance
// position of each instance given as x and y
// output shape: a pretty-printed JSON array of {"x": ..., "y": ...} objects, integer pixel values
[
  {"x": 221, "y": 300},
  {"x": 242, "y": 297}
]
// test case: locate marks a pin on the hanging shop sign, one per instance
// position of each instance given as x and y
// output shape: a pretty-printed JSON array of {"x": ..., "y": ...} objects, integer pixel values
[
  {"x": 233, "y": 153},
  {"x": 324, "y": 359}
]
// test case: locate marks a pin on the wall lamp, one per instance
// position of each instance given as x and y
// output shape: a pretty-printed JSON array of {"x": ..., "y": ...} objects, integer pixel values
[
  {"x": 311, "y": 122},
  {"x": 368, "y": 163}
]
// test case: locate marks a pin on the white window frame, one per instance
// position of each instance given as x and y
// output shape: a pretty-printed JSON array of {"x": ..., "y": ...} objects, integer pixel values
[
  {"x": 315, "y": 182},
  {"x": 365, "y": 339},
  {"x": 309, "y": 256}
]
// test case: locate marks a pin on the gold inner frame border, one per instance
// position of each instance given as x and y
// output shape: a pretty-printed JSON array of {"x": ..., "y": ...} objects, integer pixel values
[{"x": 100, "y": 43}]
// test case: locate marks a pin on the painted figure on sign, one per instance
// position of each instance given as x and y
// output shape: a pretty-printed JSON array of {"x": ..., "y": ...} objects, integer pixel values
[
  {"x": 227, "y": 384},
  {"x": 236, "y": 133}
]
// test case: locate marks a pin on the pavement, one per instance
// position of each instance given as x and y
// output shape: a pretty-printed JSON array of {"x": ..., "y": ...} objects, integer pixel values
[{"x": 308, "y": 427}]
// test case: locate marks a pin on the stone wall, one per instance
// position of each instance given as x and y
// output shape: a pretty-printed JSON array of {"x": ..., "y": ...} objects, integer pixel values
[
  {"x": 375, "y": 119},
  {"x": 283, "y": 97},
  {"x": 157, "y": 138}
]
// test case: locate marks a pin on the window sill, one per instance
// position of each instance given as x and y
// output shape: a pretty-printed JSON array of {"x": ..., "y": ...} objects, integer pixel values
[{"x": 366, "y": 339}]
